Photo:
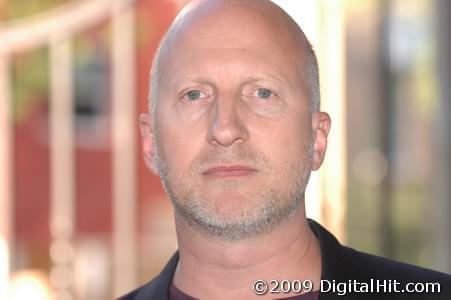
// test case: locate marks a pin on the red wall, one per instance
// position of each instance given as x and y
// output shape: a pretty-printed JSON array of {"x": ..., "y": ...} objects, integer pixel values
[{"x": 93, "y": 167}]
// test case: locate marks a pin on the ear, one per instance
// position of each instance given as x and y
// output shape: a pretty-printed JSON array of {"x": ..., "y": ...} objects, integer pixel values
[
  {"x": 145, "y": 124},
  {"x": 320, "y": 126}
]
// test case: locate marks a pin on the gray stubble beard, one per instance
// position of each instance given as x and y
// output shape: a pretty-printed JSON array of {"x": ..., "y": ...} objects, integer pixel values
[{"x": 274, "y": 206}]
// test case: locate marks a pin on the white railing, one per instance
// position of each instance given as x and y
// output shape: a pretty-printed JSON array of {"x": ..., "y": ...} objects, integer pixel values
[{"x": 55, "y": 29}]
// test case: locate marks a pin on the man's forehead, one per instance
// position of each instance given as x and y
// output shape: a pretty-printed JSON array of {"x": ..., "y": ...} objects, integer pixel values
[
  {"x": 215, "y": 29},
  {"x": 231, "y": 63},
  {"x": 233, "y": 53}
]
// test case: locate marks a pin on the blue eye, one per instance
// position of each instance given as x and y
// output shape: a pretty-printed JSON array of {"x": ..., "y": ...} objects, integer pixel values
[
  {"x": 263, "y": 93},
  {"x": 193, "y": 95}
]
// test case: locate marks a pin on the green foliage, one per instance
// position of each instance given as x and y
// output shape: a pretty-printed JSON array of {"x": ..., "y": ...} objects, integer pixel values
[
  {"x": 16, "y": 9},
  {"x": 30, "y": 81},
  {"x": 30, "y": 76}
]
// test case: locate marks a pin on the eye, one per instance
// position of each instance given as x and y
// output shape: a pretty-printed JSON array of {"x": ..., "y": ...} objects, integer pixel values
[
  {"x": 193, "y": 95},
  {"x": 263, "y": 93}
]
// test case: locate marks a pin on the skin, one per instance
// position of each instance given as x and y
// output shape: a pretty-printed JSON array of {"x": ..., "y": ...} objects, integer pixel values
[{"x": 217, "y": 65}]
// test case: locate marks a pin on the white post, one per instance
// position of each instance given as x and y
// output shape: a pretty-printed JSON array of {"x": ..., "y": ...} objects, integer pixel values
[
  {"x": 6, "y": 176},
  {"x": 332, "y": 77},
  {"x": 124, "y": 127},
  {"x": 62, "y": 165}
]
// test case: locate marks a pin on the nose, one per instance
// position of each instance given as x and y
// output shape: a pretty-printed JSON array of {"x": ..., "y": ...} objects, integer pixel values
[{"x": 226, "y": 127}]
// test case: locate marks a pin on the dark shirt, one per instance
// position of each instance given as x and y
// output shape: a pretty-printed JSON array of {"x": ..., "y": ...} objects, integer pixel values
[{"x": 176, "y": 294}]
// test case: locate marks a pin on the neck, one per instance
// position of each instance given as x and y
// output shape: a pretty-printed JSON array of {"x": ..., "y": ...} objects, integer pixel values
[{"x": 209, "y": 267}]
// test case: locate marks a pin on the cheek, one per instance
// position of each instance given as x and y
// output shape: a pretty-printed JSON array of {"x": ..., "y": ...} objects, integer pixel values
[
  {"x": 287, "y": 151},
  {"x": 179, "y": 144},
  {"x": 283, "y": 140}
]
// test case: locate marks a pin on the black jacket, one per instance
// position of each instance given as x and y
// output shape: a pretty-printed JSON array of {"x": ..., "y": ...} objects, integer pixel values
[{"x": 339, "y": 263}]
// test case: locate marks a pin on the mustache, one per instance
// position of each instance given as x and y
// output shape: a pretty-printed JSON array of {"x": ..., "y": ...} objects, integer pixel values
[{"x": 242, "y": 154}]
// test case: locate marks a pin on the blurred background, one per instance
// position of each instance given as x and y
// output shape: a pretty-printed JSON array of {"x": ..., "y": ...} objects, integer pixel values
[{"x": 82, "y": 218}]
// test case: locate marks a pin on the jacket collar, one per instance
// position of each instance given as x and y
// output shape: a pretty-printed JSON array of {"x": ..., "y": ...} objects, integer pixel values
[{"x": 331, "y": 252}]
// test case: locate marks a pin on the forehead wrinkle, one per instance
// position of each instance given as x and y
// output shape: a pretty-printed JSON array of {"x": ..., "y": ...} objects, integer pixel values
[{"x": 237, "y": 67}]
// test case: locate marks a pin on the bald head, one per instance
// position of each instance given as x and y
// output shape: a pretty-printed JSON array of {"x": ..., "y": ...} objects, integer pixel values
[
  {"x": 223, "y": 24},
  {"x": 234, "y": 131}
]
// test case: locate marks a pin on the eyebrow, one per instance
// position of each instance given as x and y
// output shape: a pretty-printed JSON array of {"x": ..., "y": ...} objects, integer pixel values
[
  {"x": 271, "y": 76},
  {"x": 192, "y": 79}
]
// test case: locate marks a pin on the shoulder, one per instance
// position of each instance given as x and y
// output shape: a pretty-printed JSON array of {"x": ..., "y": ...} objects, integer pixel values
[
  {"x": 391, "y": 279},
  {"x": 364, "y": 264},
  {"x": 346, "y": 266}
]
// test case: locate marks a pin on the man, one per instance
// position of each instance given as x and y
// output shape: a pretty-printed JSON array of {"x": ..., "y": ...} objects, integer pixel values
[{"x": 234, "y": 130}]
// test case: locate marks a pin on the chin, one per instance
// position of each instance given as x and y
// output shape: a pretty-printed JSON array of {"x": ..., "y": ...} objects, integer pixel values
[{"x": 229, "y": 206}]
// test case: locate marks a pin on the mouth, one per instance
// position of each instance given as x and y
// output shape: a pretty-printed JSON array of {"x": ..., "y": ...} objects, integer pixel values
[{"x": 229, "y": 171}]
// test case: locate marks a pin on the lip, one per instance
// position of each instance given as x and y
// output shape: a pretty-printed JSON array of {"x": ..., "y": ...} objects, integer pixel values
[{"x": 229, "y": 171}]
